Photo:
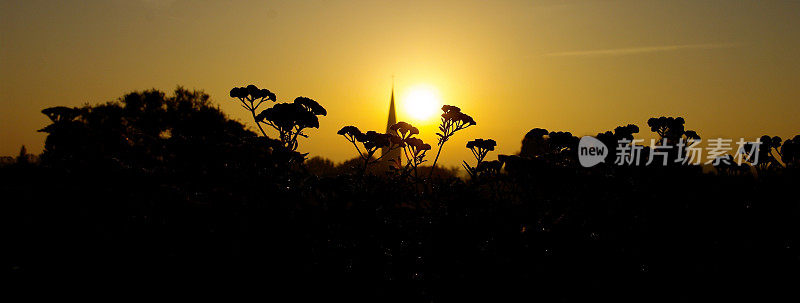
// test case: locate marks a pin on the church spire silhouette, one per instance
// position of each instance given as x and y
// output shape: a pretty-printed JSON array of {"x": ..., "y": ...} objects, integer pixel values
[
  {"x": 392, "y": 115},
  {"x": 392, "y": 120}
]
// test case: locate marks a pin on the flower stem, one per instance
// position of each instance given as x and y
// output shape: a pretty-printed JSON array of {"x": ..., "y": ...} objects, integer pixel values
[
  {"x": 433, "y": 166},
  {"x": 258, "y": 124}
]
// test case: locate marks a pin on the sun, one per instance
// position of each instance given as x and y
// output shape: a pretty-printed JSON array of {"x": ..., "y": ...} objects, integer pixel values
[{"x": 422, "y": 102}]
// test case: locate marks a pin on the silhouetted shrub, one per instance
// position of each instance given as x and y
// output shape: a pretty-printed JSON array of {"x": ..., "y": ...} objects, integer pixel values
[
  {"x": 533, "y": 144},
  {"x": 146, "y": 131}
]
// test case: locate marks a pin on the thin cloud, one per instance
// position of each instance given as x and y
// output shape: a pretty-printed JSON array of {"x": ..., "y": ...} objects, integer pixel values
[{"x": 640, "y": 50}]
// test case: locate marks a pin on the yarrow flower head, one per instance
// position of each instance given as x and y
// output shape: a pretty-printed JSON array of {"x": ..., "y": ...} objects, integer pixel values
[
  {"x": 480, "y": 148},
  {"x": 349, "y": 130},
  {"x": 374, "y": 140},
  {"x": 453, "y": 120},
  {"x": 403, "y": 128},
  {"x": 252, "y": 93},
  {"x": 417, "y": 144},
  {"x": 311, "y": 106},
  {"x": 487, "y": 144}
]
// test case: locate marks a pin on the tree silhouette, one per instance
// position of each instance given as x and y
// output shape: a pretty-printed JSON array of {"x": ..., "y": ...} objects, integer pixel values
[
  {"x": 145, "y": 130},
  {"x": 23, "y": 157},
  {"x": 63, "y": 140},
  {"x": 534, "y": 143}
]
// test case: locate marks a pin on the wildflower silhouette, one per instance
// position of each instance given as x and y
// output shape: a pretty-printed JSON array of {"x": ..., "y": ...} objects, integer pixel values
[
  {"x": 404, "y": 130},
  {"x": 667, "y": 127},
  {"x": 480, "y": 148},
  {"x": 790, "y": 152},
  {"x": 772, "y": 146},
  {"x": 612, "y": 139},
  {"x": 626, "y": 132},
  {"x": 415, "y": 151},
  {"x": 290, "y": 119},
  {"x": 671, "y": 129},
  {"x": 760, "y": 153},
  {"x": 673, "y": 136},
  {"x": 372, "y": 142},
  {"x": 251, "y": 98},
  {"x": 453, "y": 120}
]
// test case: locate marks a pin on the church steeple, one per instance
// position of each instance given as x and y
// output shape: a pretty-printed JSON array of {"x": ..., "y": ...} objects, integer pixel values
[
  {"x": 392, "y": 115},
  {"x": 394, "y": 154}
]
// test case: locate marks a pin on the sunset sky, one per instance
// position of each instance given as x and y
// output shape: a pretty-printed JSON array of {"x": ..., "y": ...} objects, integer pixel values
[{"x": 731, "y": 68}]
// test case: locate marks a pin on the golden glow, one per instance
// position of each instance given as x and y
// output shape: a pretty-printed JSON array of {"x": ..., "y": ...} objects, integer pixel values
[{"x": 422, "y": 102}]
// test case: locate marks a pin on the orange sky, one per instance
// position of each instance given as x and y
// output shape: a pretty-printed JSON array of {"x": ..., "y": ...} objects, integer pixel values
[{"x": 731, "y": 68}]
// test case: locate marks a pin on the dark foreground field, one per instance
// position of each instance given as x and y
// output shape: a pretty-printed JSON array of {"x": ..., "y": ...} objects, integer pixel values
[{"x": 566, "y": 235}]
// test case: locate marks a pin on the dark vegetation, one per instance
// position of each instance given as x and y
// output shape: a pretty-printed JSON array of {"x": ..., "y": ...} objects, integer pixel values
[{"x": 167, "y": 186}]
